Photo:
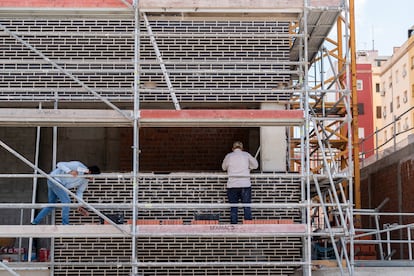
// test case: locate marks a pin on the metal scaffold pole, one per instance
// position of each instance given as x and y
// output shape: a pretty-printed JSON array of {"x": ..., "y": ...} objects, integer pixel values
[
  {"x": 34, "y": 189},
  {"x": 306, "y": 168},
  {"x": 135, "y": 153}
]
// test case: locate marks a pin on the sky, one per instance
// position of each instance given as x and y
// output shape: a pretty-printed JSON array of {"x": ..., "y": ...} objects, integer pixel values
[{"x": 382, "y": 23}]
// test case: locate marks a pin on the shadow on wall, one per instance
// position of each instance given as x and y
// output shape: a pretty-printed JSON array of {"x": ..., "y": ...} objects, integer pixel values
[{"x": 184, "y": 149}]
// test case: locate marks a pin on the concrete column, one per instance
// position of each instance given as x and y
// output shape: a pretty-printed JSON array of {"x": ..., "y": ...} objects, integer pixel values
[{"x": 273, "y": 144}]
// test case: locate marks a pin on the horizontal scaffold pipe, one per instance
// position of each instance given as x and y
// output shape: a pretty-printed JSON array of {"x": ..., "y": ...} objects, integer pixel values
[
  {"x": 357, "y": 241},
  {"x": 390, "y": 228},
  {"x": 130, "y": 34},
  {"x": 44, "y": 265},
  {"x": 368, "y": 212},
  {"x": 173, "y": 70},
  {"x": 221, "y": 61},
  {"x": 210, "y": 71},
  {"x": 128, "y": 206},
  {"x": 194, "y": 175},
  {"x": 246, "y": 35},
  {"x": 25, "y": 117}
]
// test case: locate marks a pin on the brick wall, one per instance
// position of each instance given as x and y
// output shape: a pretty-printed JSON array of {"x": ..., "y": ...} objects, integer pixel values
[
  {"x": 104, "y": 63},
  {"x": 392, "y": 178},
  {"x": 191, "y": 189},
  {"x": 184, "y": 149},
  {"x": 15, "y": 189},
  {"x": 407, "y": 180},
  {"x": 181, "y": 249},
  {"x": 208, "y": 188}
]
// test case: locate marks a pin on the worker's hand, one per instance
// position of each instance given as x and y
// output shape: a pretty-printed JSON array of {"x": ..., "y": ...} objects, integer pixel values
[
  {"x": 74, "y": 173},
  {"x": 82, "y": 211}
]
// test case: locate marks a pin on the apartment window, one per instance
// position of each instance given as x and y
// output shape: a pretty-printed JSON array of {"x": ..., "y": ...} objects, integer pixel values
[
  {"x": 377, "y": 87},
  {"x": 398, "y": 102},
  {"x": 390, "y": 82},
  {"x": 360, "y": 109},
  {"x": 384, "y": 112},
  {"x": 406, "y": 125},
  {"x": 412, "y": 118},
  {"x": 360, "y": 85},
  {"x": 412, "y": 62},
  {"x": 391, "y": 107},
  {"x": 412, "y": 90},
  {"x": 405, "y": 96},
  {"x": 378, "y": 109},
  {"x": 385, "y": 136},
  {"x": 396, "y": 76},
  {"x": 404, "y": 71},
  {"x": 398, "y": 127}
]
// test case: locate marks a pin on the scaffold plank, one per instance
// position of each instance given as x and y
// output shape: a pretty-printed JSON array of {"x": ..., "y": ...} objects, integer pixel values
[
  {"x": 182, "y": 5},
  {"x": 19, "y": 117},
  {"x": 165, "y": 5},
  {"x": 25, "y": 117},
  {"x": 221, "y": 117},
  {"x": 218, "y": 5},
  {"x": 98, "y": 230}
]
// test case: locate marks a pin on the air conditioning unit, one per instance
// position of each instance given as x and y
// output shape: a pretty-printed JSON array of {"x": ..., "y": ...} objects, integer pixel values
[
  {"x": 382, "y": 92},
  {"x": 405, "y": 99}
]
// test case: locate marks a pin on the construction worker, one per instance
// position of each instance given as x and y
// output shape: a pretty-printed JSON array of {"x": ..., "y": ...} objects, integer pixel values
[
  {"x": 55, "y": 192},
  {"x": 238, "y": 164}
]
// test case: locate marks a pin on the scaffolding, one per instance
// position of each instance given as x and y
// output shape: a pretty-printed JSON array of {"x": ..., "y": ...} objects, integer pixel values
[{"x": 177, "y": 55}]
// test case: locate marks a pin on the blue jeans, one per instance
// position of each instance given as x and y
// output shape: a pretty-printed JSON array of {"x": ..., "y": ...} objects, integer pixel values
[
  {"x": 234, "y": 195},
  {"x": 53, "y": 193}
]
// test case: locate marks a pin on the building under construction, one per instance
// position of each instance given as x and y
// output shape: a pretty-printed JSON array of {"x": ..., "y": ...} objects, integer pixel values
[{"x": 155, "y": 93}]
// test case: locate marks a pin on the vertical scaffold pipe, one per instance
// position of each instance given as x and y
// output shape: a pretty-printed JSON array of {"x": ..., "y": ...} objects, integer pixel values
[
  {"x": 135, "y": 151},
  {"x": 305, "y": 86}
]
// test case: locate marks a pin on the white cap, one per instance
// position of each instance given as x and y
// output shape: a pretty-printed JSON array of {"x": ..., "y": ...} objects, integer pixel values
[{"x": 237, "y": 144}]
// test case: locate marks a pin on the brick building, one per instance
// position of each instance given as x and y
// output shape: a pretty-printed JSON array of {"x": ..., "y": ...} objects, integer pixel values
[{"x": 155, "y": 94}]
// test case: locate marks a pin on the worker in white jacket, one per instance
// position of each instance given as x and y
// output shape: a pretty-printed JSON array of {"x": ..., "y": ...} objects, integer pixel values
[{"x": 238, "y": 165}]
